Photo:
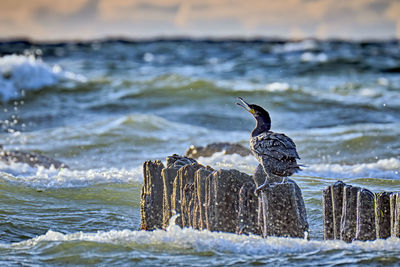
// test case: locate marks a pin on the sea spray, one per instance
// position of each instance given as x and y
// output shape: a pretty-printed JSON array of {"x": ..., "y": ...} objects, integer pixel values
[{"x": 19, "y": 73}]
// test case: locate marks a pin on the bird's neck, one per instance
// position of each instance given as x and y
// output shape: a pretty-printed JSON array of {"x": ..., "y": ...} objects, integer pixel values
[{"x": 263, "y": 125}]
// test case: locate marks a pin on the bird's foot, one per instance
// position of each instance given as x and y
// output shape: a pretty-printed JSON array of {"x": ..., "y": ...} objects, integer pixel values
[
  {"x": 261, "y": 187},
  {"x": 284, "y": 180}
]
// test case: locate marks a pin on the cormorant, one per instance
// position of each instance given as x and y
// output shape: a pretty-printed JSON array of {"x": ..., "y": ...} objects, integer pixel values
[{"x": 275, "y": 151}]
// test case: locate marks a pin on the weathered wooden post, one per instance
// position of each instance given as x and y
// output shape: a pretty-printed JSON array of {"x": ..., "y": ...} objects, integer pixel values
[
  {"x": 395, "y": 214},
  {"x": 366, "y": 229},
  {"x": 151, "y": 203},
  {"x": 168, "y": 176},
  {"x": 327, "y": 210},
  {"x": 382, "y": 215},
  {"x": 222, "y": 199},
  {"x": 186, "y": 180},
  {"x": 349, "y": 214},
  {"x": 187, "y": 205},
  {"x": 283, "y": 210},
  {"x": 180, "y": 200},
  {"x": 248, "y": 210},
  {"x": 337, "y": 207},
  {"x": 258, "y": 179},
  {"x": 200, "y": 193}
]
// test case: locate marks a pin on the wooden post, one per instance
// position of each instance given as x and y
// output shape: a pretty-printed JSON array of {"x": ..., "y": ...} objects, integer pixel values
[
  {"x": 187, "y": 205},
  {"x": 365, "y": 216},
  {"x": 349, "y": 214},
  {"x": 186, "y": 177},
  {"x": 283, "y": 213},
  {"x": 337, "y": 207},
  {"x": 327, "y": 211},
  {"x": 222, "y": 199},
  {"x": 395, "y": 214},
  {"x": 248, "y": 210},
  {"x": 151, "y": 203},
  {"x": 382, "y": 215},
  {"x": 200, "y": 192},
  {"x": 168, "y": 176}
]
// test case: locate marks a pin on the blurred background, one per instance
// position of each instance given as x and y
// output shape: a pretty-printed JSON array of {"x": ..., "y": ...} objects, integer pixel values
[{"x": 88, "y": 19}]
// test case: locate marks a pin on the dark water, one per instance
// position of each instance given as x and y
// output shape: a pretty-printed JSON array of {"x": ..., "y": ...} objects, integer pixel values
[{"x": 105, "y": 107}]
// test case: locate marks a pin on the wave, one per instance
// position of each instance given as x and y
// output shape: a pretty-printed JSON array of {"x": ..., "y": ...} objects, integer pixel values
[
  {"x": 20, "y": 73},
  {"x": 219, "y": 160},
  {"x": 383, "y": 168},
  {"x": 118, "y": 141},
  {"x": 348, "y": 143},
  {"x": 295, "y": 46},
  {"x": 188, "y": 239},
  {"x": 40, "y": 177},
  {"x": 292, "y": 93},
  {"x": 27, "y": 73}
]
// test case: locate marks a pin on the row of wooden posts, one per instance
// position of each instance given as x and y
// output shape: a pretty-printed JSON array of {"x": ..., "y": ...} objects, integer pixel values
[
  {"x": 224, "y": 200},
  {"x": 354, "y": 213},
  {"x": 181, "y": 188}
]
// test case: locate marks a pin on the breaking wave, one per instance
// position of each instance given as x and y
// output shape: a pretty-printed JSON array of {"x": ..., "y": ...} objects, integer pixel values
[
  {"x": 40, "y": 177},
  {"x": 20, "y": 73},
  {"x": 382, "y": 168},
  {"x": 323, "y": 94},
  {"x": 190, "y": 239}
]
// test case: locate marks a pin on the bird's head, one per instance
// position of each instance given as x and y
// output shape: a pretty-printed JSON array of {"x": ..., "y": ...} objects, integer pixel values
[
  {"x": 260, "y": 114},
  {"x": 255, "y": 110}
]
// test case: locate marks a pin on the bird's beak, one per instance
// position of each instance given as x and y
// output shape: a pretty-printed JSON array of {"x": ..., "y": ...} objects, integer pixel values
[{"x": 244, "y": 105}]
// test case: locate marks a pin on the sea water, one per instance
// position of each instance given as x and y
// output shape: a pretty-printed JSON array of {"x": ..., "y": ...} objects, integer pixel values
[{"x": 105, "y": 107}]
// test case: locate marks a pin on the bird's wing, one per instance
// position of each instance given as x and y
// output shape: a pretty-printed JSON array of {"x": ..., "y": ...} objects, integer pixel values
[{"x": 275, "y": 145}]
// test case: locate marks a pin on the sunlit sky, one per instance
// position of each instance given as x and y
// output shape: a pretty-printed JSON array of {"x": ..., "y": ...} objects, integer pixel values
[{"x": 88, "y": 19}]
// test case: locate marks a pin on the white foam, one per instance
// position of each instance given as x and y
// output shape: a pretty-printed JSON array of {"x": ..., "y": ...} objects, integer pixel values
[
  {"x": 277, "y": 87},
  {"x": 19, "y": 73},
  {"x": 295, "y": 46},
  {"x": 237, "y": 85},
  {"x": 383, "y": 168},
  {"x": 204, "y": 241},
  {"x": 40, "y": 177},
  {"x": 312, "y": 57},
  {"x": 66, "y": 178},
  {"x": 383, "y": 81},
  {"x": 246, "y": 86},
  {"x": 219, "y": 160}
]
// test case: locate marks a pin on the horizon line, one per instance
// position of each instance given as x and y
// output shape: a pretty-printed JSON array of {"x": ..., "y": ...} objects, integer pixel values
[{"x": 177, "y": 38}]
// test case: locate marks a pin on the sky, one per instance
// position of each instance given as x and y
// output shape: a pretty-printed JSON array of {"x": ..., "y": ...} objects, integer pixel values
[{"x": 292, "y": 19}]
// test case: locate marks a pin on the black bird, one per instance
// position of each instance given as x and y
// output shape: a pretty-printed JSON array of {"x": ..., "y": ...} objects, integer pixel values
[{"x": 275, "y": 151}]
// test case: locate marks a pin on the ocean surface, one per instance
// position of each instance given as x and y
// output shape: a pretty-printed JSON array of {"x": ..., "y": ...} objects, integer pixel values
[{"x": 105, "y": 107}]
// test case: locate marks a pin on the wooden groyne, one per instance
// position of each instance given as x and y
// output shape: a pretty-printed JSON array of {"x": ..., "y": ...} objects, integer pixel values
[
  {"x": 224, "y": 200},
  {"x": 354, "y": 213},
  {"x": 218, "y": 200}
]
